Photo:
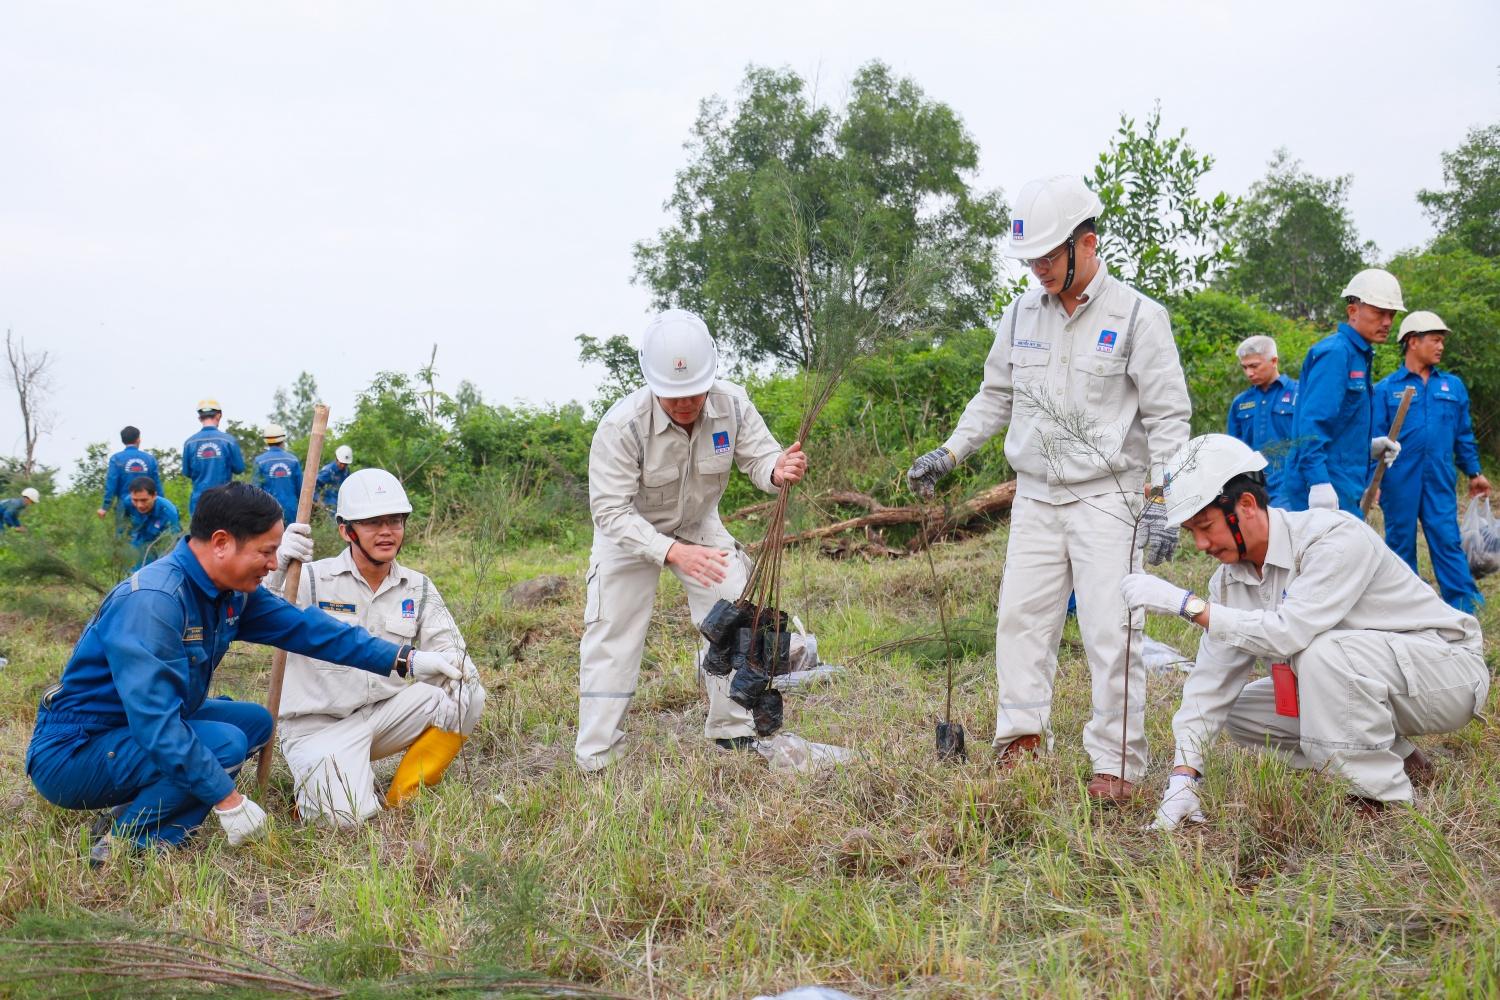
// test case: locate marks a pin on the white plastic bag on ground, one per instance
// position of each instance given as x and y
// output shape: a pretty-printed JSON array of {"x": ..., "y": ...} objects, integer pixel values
[
  {"x": 809, "y": 993},
  {"x": 789, "y": 753},
  {"x": 1481, "y": 538},
  {"x": 804, "y": 678},
  {"x": 1160, "y": 658}
]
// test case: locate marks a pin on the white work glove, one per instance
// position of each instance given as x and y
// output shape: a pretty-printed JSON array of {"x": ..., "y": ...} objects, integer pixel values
[
  {"x": 1385, "y": 449},
  {"x": 1322, "y": 495},
  {"x": 296, "y": 543},
  {"x": 435, "y": 667},
  {"x": 447, "y": 715},
  {"x": 924, "y": 473},
  {"x": 1160, "y": 542},
  {"x": 1142, "y": 590},
  {"x": 246, "y": 821},
  {"x": 468, "y": 679},
  {"x": 1179, "y": 804}
]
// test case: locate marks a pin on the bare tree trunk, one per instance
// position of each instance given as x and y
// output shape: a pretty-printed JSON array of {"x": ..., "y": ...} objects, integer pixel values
[{"x": 30, "y": 376}]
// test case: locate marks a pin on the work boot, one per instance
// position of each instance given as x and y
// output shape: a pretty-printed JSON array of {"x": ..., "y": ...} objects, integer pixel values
[
  {"x": 1419, "y": 769},
  {"x": 423, "y": 764},
  {"x": 732, "y": 743},
  {"x": 1108, "y": 788},
  {"x": 1019, "y": 749},
  {"x": 1366, "y": 806}
]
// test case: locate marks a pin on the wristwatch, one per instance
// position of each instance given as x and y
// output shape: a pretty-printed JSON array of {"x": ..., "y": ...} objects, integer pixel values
[
  {"x": 403, "y": 660},
  {"x": 1192, "y": 606}
]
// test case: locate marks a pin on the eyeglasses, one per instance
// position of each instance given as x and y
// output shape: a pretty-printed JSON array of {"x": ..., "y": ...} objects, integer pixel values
[
  {"x": 1045, "y": 263},
  {"x": 391, "y": 521}
]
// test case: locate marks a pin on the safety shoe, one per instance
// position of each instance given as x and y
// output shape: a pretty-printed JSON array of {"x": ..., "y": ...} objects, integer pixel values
[
  {"x": 1109, "y": 788},
  {"x": 1017, "y": 750},
  {"x": 1419, "y": 769},
  {"x": 1367, "y": 807},
  {"x": 100, "y": 850},
  {"x": 732, "y": 743}
]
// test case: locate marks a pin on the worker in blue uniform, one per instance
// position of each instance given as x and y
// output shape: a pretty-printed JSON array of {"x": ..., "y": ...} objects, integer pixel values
[
  {"x": 10, "y": 509},
  {"x": 210, "y": 457},
  {"x": 332, "y": 476},
  {"x": 125, "y": 466},
  {"x": 131, "y": 725},
  {"x": 278, "y": 472},
  {"x": 1436, "y": 435},
  {"x": 154, "y": 522},
  {"x": 1261, "y": 416},
  {"x": 1335, "y": 440}
]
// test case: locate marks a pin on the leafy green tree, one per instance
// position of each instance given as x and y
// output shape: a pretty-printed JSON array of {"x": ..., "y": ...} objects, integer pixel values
[
  {"x": 394, "y": 428},
  {"x": 1297, "y": 243},
  {"x": 1157, "y": 232},
  {"x": 622, "y": 367},
  {"x": 883, "y": 182},
  {"x": 1467, "y": 209},
  {"x": 294, "y": 410}
]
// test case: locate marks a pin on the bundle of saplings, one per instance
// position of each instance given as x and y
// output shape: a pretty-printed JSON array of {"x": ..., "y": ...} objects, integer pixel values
[{"x": 751, "y": 643}]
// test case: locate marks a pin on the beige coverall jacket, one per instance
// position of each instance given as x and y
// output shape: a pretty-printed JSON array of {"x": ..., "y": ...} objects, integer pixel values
[
  {"x": 651, "y": 484},
  {"x": 1093, "y": 405},
  {"x": 1378, "y": 655}
]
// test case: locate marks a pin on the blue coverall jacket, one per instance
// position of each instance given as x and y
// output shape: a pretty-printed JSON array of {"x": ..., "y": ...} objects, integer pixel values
[
  {"x": 330, "y": 478},
  {"x": 278, "y": 472},
  {"x": 1262, "y": 418},
  {"x": 131, "y": 721},
  {"x": 10, "y": 512},
  {"x": 125, "y": 466},
  {"x": 210, "y": 458},
  {"x": 1420, "y": 485},
  {"x": 1332, "y": 427},
  {"x": 145, "y": 529}
]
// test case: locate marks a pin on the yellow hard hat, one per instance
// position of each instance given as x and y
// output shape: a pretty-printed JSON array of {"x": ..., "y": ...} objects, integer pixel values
[{"x": 207, "y": 406}]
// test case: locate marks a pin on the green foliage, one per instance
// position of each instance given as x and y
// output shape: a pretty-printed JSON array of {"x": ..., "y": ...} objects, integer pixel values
[
  {"x": 1464, "y": 289},
  {"x": 294, "y": 410},
  {"x": 1297, "y": 243},
  {"x": 1467, "y": 209},
  {"x": 622, "y": 368},
  {"x": 394, "y": 429},
  {"x": 247, "y": 436},
  {"x": 885, "y": 182},
  {"x": 1157, "y": 232},
  {"x": 13, "y": 477}
]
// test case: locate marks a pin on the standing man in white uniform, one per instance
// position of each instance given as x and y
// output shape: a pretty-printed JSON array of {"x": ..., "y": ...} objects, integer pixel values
[
  {"x": 657, "y": 469},
  {"x": 1085, "y": 374},
  {"x": 1362, "y": 653},
  {"x": 332, "y": 726}
]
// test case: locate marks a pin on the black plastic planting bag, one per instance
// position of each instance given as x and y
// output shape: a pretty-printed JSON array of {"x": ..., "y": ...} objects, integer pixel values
[
  {"x": 775, "y": 651},
  {"x": 716, "y": 661},
  {"x": 950, "y": 741},
  {"x": 747, "y": 685},
  {"x": 767, "y": 712},
  {"x": 723, "y": 618}
]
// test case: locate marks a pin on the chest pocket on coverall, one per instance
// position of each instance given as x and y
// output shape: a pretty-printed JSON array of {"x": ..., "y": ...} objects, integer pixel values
[
  {"x": 660, "y": 488},
  {"x": 713, "y": 470}
]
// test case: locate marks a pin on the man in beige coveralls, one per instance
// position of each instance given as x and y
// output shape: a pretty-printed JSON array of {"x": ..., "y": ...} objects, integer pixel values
[{"x": 658, "y": 465}]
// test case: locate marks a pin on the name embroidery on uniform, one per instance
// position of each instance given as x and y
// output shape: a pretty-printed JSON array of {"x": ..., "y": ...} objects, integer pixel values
[
  {"x": 408, "y": 608},
  {"x": 1106, "y": 343},
  {"x": 1248, "y": 405},
  {"x": 1035, "y": 345},
  {"x": 193, "y": 633},
  {"x": 721, "y": 442},
  {"x": 334, "y": 607}
]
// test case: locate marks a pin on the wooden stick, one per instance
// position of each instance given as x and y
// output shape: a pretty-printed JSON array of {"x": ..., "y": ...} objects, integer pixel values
[
  {"x": 290, "y": 587},
  {"x": 1373, "y": 490}
]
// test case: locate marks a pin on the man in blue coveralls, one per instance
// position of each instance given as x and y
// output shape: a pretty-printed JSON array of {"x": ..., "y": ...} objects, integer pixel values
[
  {"x": 125, "y": 466},
  {"x": 1333, "y": 430},
  {"x": 1261, "y": 416},
  {"x": 332, "y": 476},
  {"x": 10, "y": 510},
  {"x": 151, "y": 518},
  {"x": 131, "y": 726},
  {"x": 211, "y": 457},
  {"x": 1436, "y": 432},
  {"x": 278, "y": 472}
]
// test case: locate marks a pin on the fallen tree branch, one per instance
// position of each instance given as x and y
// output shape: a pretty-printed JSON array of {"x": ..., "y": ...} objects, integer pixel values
[{"x": 991, "y": 502}]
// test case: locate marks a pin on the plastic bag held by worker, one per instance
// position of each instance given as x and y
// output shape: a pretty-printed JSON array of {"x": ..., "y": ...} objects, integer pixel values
[
  {"x": 746, "y": 685},
  {"x": 1481, "y": 538},
  {"x": 767, "y": 712},
  {"x": 722, "y": 619},
  {"x": 716, "y": 661}
]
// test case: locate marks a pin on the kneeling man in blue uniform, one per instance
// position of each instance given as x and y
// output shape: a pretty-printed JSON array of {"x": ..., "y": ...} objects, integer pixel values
[{"x": 131, "y": 727}]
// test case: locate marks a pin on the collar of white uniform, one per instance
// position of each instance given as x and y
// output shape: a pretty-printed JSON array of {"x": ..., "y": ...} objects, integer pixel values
[
  {"x": 1090, "y": 292},
  {"x": 344, "y": 563},
  {"x": 1278, "y": 550},
  {"x": 713, "y": 406}
]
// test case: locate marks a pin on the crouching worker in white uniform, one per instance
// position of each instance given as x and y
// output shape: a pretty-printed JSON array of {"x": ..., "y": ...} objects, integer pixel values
[
  {"x": 333, "y": 727},
  {"x": 1363, "y": 655},
  {"x": 658, "y": 466}
]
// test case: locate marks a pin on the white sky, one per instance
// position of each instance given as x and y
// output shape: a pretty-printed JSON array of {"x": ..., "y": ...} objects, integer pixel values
[{"x": 205, "y": 199}]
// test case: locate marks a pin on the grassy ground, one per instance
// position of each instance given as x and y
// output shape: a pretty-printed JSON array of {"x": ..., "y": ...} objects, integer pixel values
[{"x": 685, "y": 872}]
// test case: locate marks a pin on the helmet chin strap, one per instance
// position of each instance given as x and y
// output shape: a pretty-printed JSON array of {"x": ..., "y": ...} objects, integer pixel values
[
  {"x": 354, "y": 540},
  {"x": 1226, "y": 506},
  {"x": 1072, "y": 263}
]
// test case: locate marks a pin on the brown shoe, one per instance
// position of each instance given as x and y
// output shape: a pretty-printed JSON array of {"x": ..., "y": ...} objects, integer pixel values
[
  {"x": 1017, "y": 750},
  {"x": 1367, "y": 807},
  {"x": 1418, "y": 768},
  {"x": 1108, "y": 788}
]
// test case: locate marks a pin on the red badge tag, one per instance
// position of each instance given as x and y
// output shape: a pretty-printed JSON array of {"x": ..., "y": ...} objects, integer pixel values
[{"x": 1284, "y": 684}]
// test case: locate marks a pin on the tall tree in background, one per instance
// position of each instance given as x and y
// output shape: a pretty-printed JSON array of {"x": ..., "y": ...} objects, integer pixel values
[
  {"x": 31, "y": 376},
  {"x": 294, "y": 410},
  {"x": 884, "y": 181},
  {"x": 1297, "y": 243},
  {"x": 1157, "y": 232},
  {"x": 1467, "y": 210}
]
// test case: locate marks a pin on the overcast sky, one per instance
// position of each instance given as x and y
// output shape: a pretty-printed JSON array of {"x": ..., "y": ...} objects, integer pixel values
[{"x": 205, "y": 199}]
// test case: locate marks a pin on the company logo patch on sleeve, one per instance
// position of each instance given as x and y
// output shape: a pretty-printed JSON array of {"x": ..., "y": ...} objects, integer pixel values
[
  {"x": 1106, "y": 343},
  {"x": 721, "y": 442},
  {"x": 408, "y": 608},
  {"x": 335, "y": 608}
]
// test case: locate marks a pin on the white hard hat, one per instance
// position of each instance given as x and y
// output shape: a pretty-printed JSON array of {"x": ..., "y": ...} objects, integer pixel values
[
  {"x": 1046, "y": 213},
  {"x": 1376, "y": 287},
  {"x": 678, "y": 357},
  {"x": 344, "y": 454},
  {"x": 1199, "y": 471},
  {"x": 371, "y": 493},
  {"x": 274, "y": 432},
  {"x": 31, "y": 494},
  {"x": 1422, "y": 321}
]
